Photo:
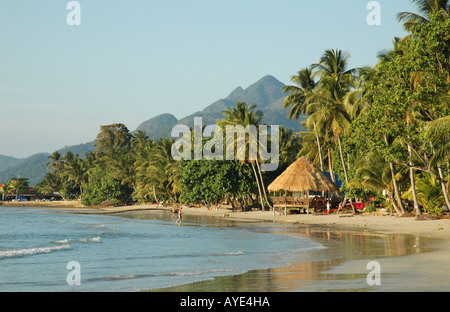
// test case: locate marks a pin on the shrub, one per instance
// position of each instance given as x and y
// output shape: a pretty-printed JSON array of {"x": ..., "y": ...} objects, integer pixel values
[{"x": 103, "y": 187}]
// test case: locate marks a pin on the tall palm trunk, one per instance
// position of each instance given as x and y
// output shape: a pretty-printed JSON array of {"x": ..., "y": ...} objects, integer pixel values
[
  {"x": 330, "y": 166},
  {"x": 262, "y": 185},
  {"x": 259, "y": 186},
  {"x": 319, "y": 147},
  {"x": 154, "y": 195},
  {"x": 396, "y": 190},
  {"x": 392, "y": 200},
  {"x": 345, "y": 171},
  {"x": 413, "y": 183},
  {"x": 444, "y": 187},
  {"x": 394, "y": 182}
]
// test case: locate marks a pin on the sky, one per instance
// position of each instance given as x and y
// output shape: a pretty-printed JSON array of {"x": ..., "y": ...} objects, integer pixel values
[{"x": 129, "y": 61}]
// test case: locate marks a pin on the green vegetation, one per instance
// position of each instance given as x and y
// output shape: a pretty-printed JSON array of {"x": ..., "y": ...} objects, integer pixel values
[{"x": 16, "y": 186}]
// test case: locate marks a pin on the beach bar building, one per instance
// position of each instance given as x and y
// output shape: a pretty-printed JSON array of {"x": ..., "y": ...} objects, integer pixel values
[{"x": 291, "y": 190}]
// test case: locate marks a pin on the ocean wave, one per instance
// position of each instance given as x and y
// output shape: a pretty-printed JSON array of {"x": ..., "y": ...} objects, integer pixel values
[
  {"x": 96, "y": 239},
  {"x": 31, "y": 251}
]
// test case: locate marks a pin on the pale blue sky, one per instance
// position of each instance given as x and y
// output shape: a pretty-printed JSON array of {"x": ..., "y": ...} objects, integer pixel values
[{"x": 129, "y": 61}]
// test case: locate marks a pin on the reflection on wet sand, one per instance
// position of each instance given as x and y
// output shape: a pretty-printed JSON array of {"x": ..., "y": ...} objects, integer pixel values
[{"x": 307, "y": 272}]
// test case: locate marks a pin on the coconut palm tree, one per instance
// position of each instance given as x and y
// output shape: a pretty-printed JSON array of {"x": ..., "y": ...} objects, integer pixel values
[
  {"x": 156, "y": 171},
  {"x": 74, "y": 170},
  {"x": 296, "y": 100},
  {"x": 289, "y": 145},
  {"x": 424, "y": 8},
  {"x": 326, "y": 104},
  {"x": 5, "y": 190},
  {"x": 244, "y": 115},
  {"x": 438, "y": 131},
  {"x": 374, "y": 174},
  {"x": 355, "y": 99},
  {"x": 55, "y": 161},
  {"x": 19, "y": 186},
  {"x": 428, "y": 192}
]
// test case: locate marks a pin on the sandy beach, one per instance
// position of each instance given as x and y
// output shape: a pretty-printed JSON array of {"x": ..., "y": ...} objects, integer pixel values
[{"x": 414, "y": 258}]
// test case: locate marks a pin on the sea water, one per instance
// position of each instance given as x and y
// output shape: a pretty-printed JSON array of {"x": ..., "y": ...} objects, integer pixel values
[{"x": 131, "y": 252}]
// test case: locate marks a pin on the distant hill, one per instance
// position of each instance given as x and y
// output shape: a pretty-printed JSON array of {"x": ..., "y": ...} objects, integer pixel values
[
  {"x": 32, "y": 167},
  {"x": 80, "y": 149},
  {"x": 266, "y": 93},
  {"x": 159, "y": 126},
  {"x": 7, "y": 162}
]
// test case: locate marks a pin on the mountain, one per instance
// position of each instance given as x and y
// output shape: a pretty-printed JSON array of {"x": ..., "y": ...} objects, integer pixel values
[
  {"x": 32, "y": 167},
  {"x": 267, "y": 93},
  {"x": 7, "y": 162},
  {"x": 159, "y": 126},
  {"x": 263, "y": 93}
]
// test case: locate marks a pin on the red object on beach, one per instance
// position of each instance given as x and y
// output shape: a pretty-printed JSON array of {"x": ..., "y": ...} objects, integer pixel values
[{"x": 358, "y": 205}]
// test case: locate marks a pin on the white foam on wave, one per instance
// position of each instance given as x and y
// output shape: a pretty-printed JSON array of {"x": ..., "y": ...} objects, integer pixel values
[
  {"x": 31, "y": 251},
  {"x": 96, "y": 239}
]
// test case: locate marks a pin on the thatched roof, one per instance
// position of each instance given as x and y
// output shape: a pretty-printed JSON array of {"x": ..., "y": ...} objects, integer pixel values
[{"x": 301, "y": 176}]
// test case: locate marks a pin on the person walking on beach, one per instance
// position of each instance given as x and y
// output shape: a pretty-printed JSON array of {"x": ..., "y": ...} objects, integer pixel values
[{"x": 180, "y": 216}]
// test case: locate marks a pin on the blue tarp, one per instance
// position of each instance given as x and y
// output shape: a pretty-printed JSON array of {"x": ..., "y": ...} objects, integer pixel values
[{"x": 338, "y": 182}]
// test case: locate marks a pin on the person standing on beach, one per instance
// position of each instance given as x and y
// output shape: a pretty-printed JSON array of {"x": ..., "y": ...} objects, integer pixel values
[
  {"x": 328, "y": 206},
  {"x": 180, "y": 216}
]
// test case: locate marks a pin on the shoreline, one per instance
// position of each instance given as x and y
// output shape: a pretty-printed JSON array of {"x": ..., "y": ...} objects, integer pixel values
[
  {"x": 417, "y": 259},
  {"x": 383, "y": 224}
]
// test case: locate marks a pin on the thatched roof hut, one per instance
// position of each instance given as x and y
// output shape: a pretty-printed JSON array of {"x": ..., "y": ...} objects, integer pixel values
[{"x": 303, "y": 176}]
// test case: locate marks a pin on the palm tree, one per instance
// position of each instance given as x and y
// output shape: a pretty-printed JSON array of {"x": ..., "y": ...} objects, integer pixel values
[
  {"x": 355, "y": 99},
  {"x": 438, "y": 131},
  {"x": 427, "y": 190},
  {"x": 326, "y": 104},
  {"x": 74, "y": 170},
  {"x": 52, "y": 183},
  {"x": 289, "y": 145},
  {"x": 55, "y": 161},
  {"x": 245, "y": 115},
  {"x": 373, "y": 174},
  {"x": 425, "y": 8},
  {"x": 156, "y": 170},
  {"x": 5, "y": 190},
  {"x": 19, "y": 186},
  {"x": 296, "y": 100}
]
